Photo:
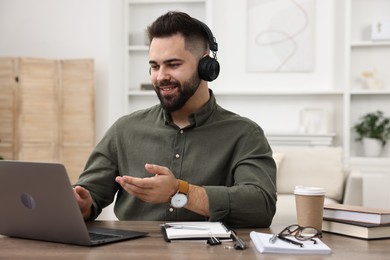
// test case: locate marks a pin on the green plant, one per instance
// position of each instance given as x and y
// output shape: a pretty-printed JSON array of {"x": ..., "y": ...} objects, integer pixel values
[{"x": 373, "y": 125}]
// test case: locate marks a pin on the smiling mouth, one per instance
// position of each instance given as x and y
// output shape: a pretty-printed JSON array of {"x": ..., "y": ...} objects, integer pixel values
[{"x": 167, "y": 89}]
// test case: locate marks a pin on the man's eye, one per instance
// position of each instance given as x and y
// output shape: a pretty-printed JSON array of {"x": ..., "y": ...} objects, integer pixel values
[{"x": 174, "y": 65}]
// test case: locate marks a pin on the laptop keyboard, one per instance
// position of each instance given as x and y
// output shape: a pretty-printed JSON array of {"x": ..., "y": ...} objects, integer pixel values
[{"x": 100, "y": 236}]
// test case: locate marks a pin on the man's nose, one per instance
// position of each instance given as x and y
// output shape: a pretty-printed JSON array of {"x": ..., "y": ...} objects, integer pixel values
[{"x": 163, "y": 74}]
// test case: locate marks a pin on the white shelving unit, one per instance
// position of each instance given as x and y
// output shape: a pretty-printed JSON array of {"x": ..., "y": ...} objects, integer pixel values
[{"x": 366, "y": 54}]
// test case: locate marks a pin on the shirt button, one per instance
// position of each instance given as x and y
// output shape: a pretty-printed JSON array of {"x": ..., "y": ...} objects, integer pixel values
[
  {"x": 170, "y": 209},
  {"x": 181, "y": 131},
  {"x": 177, "y": 156}
]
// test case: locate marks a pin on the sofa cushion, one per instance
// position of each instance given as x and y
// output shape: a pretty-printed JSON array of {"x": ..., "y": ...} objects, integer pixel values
[
  {"x": 278, "y": 157},
  {"x": 319, "y": 166}
]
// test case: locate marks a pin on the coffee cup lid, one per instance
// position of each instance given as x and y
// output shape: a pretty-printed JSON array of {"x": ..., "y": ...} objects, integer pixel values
[{"x": 316, "y": 191}]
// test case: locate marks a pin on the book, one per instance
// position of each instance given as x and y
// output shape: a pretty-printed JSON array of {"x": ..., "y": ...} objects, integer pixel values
[
  {"x": 356, "y": 213},
  {"x": 196, "y": 230},
  {"x": 264, "y": 245},
  {"x": 356, "y": 229}
]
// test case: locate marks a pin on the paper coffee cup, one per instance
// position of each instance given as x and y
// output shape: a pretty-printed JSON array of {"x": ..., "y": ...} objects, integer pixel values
[{"x": 310, "y": 206}]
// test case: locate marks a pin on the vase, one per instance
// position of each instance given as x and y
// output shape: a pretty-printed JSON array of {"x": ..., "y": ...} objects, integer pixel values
[
  {"x": 373, "y": 83},
  {"x": 372, "y": 147}
]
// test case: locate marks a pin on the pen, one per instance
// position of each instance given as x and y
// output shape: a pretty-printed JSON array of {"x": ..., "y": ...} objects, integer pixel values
[
  {"x": 290, "y": 241},
  {"x": 239, "y": 243},
  {"x": 273, "y": 238},
  {"x": 194, "y": 227}
]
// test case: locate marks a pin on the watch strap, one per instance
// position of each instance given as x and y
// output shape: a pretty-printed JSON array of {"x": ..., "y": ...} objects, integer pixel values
[{"x": 183, "y": 187}]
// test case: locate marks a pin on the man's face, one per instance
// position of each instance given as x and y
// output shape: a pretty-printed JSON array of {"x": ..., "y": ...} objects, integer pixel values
[{"x": 174, "y": 72}]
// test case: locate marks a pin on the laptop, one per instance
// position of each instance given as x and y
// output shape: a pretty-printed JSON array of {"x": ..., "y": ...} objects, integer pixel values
[{"x": 37, "y": 202}]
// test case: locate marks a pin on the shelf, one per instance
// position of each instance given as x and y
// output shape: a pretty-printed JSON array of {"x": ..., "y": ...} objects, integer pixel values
[
  {"x": 140, "y": 48},
  {"x": 377, "y": 161},
  {"x": 254, "y": 93},
  {"x": 279, "y": 93},
  {"x": 357, "y": 44},
  {"x": 163, "y": 1},
  {"x": 362, "y": 92},
  {"x": 141, "y": 93},
  {"x": 301, "y": 139}
]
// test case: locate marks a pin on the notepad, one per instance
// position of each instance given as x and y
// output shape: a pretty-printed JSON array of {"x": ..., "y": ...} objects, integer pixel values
[
  {"x": 194, "y": 230},
  {"x": 263, "y": 245}
]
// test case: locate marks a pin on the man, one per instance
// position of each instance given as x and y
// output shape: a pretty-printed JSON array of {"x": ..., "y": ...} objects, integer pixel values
[{"x": 187, "y": 158}]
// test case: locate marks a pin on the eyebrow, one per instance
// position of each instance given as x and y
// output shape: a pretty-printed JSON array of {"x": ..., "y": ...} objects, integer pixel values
[{"x": 165, "y": 61}]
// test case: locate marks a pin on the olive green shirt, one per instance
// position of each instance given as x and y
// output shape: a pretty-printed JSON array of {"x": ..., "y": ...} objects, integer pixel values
[{"x": 225, "y": 153}]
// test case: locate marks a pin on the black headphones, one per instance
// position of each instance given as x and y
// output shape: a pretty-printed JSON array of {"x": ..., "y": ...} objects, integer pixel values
[{"x": 208, "y": 67}]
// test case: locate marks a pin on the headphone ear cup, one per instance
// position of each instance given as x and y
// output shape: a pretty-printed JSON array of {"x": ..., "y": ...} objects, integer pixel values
[{"x": 208, "y": 68}]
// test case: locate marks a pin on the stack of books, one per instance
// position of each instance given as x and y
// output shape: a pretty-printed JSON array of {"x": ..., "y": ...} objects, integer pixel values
[{"x": 356, "y": 221}]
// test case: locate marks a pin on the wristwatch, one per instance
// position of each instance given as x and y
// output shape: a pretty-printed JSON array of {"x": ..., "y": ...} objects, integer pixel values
[{"x": 180, "y": 198}]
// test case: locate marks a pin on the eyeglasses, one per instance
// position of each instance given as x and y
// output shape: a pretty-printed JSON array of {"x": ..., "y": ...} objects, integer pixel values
[{"x": 301, "y": 233}]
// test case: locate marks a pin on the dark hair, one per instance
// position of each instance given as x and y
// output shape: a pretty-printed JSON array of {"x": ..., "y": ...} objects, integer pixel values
[{"x": 175, "y": 22}]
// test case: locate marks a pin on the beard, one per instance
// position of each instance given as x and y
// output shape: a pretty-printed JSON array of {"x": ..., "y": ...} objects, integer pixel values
[{"x": 183, "y": 93}]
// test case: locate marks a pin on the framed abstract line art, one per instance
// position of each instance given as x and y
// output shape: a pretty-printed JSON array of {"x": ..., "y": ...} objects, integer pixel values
[{"x": 280, "y": 35}]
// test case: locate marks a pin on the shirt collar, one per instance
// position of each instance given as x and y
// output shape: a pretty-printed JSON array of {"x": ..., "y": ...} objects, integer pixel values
[{"x": 200, "y": 117}]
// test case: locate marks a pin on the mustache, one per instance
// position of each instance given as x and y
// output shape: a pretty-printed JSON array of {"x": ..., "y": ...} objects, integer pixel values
[{"x": 167, "y": 83}]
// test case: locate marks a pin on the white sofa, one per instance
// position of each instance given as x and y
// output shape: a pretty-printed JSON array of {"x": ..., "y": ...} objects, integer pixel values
[{"x": 318, "y": 166}]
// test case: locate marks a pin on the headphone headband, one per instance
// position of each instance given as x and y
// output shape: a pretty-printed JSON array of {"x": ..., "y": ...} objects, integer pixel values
[{"x": 213, "y": 45}]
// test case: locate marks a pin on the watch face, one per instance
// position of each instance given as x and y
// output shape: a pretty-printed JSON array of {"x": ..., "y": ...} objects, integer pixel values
[{"x": 179, "y": 200}]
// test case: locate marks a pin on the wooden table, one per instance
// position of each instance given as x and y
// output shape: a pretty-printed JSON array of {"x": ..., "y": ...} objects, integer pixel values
[{"x": 154, "y": 247}]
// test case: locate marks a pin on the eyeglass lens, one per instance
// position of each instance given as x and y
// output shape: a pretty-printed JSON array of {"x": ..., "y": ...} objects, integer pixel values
[{"x": 301, "y": 233}]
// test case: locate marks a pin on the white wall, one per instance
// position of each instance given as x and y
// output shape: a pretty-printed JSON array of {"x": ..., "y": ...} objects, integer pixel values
[{"x": 66, "y": 29}]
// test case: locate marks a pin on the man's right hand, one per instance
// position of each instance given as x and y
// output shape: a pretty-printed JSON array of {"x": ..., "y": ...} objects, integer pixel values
[{"x": 84, "y": 199}]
